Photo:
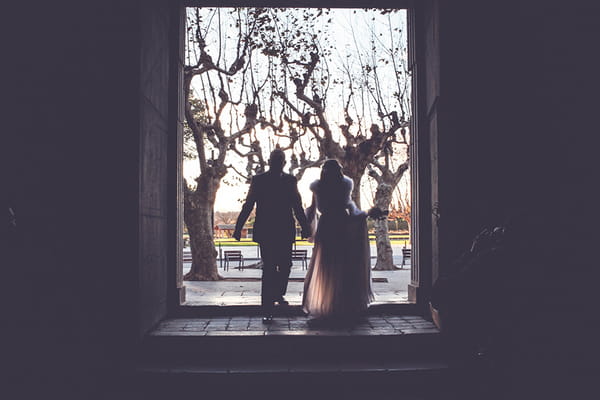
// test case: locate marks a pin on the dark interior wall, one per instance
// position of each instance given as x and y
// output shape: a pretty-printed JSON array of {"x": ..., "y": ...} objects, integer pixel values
[
  {"x": 483, "y": 123},
  {"x": 517, "y": 93},
  {"x": 518, "y": 103},
  {"x": 154, "y": 140},
  {"x": 70, "y": 285},
  {"x": 480, "y": 117},
  {"x": 569, "y": 84}
]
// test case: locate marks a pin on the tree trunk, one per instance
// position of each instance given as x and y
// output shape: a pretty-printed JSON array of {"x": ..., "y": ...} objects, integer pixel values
[
  {"x": 198, "y": 217},
  {"x": 385, "y": 260},
  {"x": 354, "y": 172},
  {"x": 356, "y": 190}
]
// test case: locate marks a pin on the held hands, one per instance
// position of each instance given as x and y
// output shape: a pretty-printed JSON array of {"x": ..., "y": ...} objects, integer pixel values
[{"x": 306, "y": 233}]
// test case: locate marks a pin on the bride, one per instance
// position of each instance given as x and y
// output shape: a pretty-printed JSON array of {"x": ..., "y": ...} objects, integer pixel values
[{"x": 338, "y": 282}]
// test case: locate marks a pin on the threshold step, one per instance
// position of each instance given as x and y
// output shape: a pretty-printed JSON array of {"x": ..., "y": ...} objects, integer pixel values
[
  {"x": 406, "y": 379},
  {"x": 382, "y": 337},
  {"x": 245, "y": 325},
  {"x": 292, "y": 367}
]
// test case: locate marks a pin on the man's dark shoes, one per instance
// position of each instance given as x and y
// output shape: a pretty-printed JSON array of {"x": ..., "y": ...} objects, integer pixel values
[
  {"x": 282, "y": 301},
  {"x": 267, "y": 319}
]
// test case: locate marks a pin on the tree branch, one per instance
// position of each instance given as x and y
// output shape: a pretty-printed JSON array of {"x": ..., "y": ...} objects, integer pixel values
[
  {"x": 402, "y": 168},
  {"x": 189, "y": 117},
  {"x": 245, "y": 177}
]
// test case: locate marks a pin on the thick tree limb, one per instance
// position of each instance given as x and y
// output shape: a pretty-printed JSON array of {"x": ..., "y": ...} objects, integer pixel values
[{"x": 192, "y": 124}]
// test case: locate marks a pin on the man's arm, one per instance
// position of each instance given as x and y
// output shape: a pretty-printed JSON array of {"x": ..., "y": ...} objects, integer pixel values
[
  {"x": 299, "y": 210},
  {"x": 246, "y": 210}
]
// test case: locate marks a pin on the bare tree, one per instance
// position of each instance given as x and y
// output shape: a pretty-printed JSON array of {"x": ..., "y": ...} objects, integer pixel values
[
  {"x": 355, "y": 142},
  {"x": 387, "y": 178},
  {"x": 358, "y": 150},
  {"x": 390, "y": 171},
  {"x": 272, "y": 88},
  {"x": 367, "y": 98},
  {"x": 205, "y": 121},
  {"x": 225, "y": 217}
]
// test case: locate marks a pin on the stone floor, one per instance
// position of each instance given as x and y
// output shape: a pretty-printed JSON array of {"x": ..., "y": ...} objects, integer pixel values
[
  {"x": 242, "y": 287},
  {"x": 292, "y": 325},
  {"x": 384, "y": 356}
]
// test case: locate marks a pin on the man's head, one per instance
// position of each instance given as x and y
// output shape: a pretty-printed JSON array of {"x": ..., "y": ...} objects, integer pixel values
[{"x": 277, "y": 160}]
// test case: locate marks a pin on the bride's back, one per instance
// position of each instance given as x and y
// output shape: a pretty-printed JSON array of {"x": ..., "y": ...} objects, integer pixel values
[
  {"x": 332, "y": 194},
  {"x": 338, "y": 282}
]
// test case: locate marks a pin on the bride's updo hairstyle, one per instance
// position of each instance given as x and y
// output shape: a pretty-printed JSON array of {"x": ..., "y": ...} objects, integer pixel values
[
  {"x": 331, "y": 187},
  {"x": 331, "y": 172}
]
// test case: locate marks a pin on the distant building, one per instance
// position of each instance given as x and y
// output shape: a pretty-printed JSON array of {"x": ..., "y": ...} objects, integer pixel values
[{"x": 226, "y": 231}]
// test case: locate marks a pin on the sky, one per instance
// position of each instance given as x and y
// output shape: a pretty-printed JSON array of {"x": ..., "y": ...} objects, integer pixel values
[
  {"x": 230, "y": 197},
  {"x": 349, "y": 30}
]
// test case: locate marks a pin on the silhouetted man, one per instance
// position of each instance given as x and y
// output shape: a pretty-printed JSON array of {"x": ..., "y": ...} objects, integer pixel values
[{"x": 276, "y": 196}]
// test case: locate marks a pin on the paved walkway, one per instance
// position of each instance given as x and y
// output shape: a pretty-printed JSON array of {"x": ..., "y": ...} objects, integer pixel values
[{"x": 243, "y": 287}]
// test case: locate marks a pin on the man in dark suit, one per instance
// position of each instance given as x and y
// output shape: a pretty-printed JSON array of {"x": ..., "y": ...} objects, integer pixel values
[{"x": 276, "y": 196}]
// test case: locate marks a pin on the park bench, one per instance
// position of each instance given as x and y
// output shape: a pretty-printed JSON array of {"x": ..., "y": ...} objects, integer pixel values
[
  {"x": 405, "y": 255},
  {"x": 300, "y": 255},
  {"x": 233, "y": 255}
]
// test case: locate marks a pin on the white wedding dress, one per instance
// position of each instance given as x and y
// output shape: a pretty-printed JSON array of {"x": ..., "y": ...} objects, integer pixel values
[{"x": 338, "y": 281}]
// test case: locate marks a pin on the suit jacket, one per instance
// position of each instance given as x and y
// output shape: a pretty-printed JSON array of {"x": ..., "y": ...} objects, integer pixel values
[{"x": 277, "y": 200}]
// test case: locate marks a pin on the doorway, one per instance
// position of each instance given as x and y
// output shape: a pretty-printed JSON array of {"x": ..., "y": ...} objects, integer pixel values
[{"x": 242, "y": 58}]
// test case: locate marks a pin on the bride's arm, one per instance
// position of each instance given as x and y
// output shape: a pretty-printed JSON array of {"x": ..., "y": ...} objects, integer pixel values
[
  {"x": 311, "y": 216},
  {"x": 353, "y": 210}
]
